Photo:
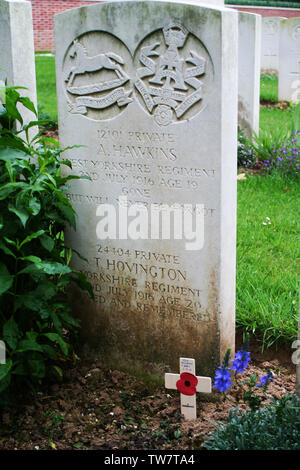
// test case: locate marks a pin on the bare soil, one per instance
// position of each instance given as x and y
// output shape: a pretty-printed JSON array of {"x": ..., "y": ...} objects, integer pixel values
[
  {"x": 271, "y": 104},
  {"x": 96, "y": 408}
]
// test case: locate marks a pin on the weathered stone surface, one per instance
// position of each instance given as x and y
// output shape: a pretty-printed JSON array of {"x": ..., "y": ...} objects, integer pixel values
[
  {"x": 17, "y": 52},
  {"x": 289, "y": 60},
  {"x": 249, "y": 71},
  {"x": 270, "y": 44},
  {"x": 157, "y": 120}
]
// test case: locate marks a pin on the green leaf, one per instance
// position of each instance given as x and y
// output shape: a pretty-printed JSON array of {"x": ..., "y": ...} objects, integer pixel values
[
  {"x": 56, "y": 322},
  {"x": 19, "y": 369},
  {"x": 37, "y": 368},
  {"x": 58, "y": 339},
  {"x": 9, "y": 188},
  {"x": 47, "y": 242},
  {"x": 68, "y": 319},
  {"x": 12, "y": 154},
  {"x": 11, "y": 333},
  {"x": 58, "y": 370},
  {"x": 4, "y": 384},
  {"x": 80, "y": 279},
  {"x": 11, "y": 106},
  {"x": 5, "y": 368},
  {"x": 13, "y": 141},
  {"x": 45, "y": 290},
  {"x": 6, "y": 279},
  {"x": 29, "y": 345},
  {"x": 67, "y": 211},
  {"x": 36, "y": 304},
  {"x": 21, "y": 212},
  {"x": 36, "y": 274},
  {"x": 6, "y": 250},
  {"x": 53, "y": 267},
  {"x": 50, "y": 351},
  {"x": 31, "y": 237},
  {"x": 35, "y": 205},
  {"x": 5, "y": 375},
  {"x": 33, "y": 259},
  {"x": 28, "y": 104}
]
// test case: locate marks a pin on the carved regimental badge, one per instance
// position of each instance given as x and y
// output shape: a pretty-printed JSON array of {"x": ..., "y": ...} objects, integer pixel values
[
  {"x": 169, "y": 82},
  {"x": 95, "y": 81},
  {"x": 170, "y": 70}
]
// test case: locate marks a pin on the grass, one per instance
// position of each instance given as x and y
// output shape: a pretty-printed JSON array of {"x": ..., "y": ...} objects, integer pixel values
[
  {"x": 268, "y": 257},
  {"x": 267, "y": 290},
  {"x": 46, "y": 85},
  {"x": 269, "y": 88},
  {"x": 273, "y": 118}
]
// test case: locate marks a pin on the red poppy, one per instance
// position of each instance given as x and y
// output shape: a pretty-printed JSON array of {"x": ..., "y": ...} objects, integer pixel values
[{"x": 187, "y": 383}]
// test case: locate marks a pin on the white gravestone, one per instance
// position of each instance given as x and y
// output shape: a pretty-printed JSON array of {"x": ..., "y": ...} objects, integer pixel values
[
  {"x": 187, "y": 383},
  {"x": 270, "y": 44},
  {"x": 150, "y": 91},
  {"x": 249, "y": 71},
  {"x": 289, "y": 60},
  {"x": 17, "y": 50}
]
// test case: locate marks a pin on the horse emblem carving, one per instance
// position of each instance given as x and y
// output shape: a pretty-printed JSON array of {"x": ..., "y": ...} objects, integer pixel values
[
  {"x": 88, "y": 64},
  {"x": 84, "y": 63}
]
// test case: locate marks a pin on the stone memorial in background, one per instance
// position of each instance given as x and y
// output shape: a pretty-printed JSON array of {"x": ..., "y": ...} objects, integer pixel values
[
  {"x": 289, "y": 60},
  {"x": 17, "y": 63},
  {"x": 249, "y": 46},
  {"x": 270, "y": 44},
  {"x": 149, "y": 89}
]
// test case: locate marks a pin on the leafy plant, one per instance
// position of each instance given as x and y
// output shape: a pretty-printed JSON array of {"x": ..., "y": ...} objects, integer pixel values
[
  {"x": 56, "y": 420},
  {"x": 286, "y": 158},
  {"x": 44, "y": 116},
  {"x": 245, "y": 153},
  {"x": 249, "y": 390},
  {"x": 274, "y": 427},
  {"x": 36, "y": 321},
  {"x": 266, "y": 142}
]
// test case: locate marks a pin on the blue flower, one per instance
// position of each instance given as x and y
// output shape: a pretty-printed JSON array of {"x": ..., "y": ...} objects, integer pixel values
[
  {"x": 240, "y": 361},
  {"x": 222, "y": 379},
  {"x": 266, "y": 379}
]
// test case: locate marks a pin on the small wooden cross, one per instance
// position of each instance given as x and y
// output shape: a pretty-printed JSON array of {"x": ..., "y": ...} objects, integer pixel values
[{"x": 188, "y": 384}]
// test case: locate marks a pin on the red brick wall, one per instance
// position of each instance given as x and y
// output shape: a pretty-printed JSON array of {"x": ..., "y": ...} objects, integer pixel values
[
  {"x": 42, "y": 13},
  {"x": 287, "y": 13},
  {"x": 44, "y": 10}
]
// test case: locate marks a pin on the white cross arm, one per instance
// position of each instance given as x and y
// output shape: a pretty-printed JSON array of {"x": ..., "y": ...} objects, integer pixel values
[{"x": 203, "y": 385}]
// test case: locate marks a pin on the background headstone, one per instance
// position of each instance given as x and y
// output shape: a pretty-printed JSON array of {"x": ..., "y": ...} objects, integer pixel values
[
  {"x": 155, "y": 144},
  {"x": 17, "y": 63},
  {"x": 270, "y": 44},
  {"x": 249, "y": 71},
  {"x": 289, "y": 60}
]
